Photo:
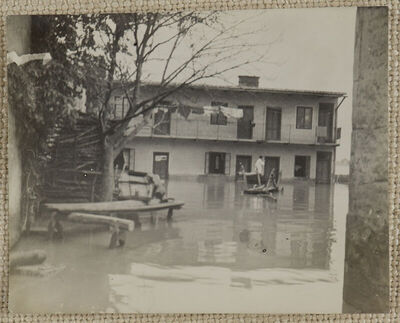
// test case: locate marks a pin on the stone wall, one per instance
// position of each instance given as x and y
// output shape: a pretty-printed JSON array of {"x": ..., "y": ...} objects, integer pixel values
[
  {"x": 366, "y": 277},
  {"x": 18, "y": 40}
]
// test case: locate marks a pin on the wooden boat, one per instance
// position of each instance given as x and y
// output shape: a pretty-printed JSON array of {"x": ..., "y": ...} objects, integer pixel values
[
  {"x": 251, "y": 179},
  {"x": 253, "y": 187},
  {"x": 261, "y": 190}
]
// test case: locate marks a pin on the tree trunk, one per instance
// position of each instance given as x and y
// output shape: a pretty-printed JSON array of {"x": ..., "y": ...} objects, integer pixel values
[
  {"x": 107, "y": 185},
  {"x": 113, "y": 145}
]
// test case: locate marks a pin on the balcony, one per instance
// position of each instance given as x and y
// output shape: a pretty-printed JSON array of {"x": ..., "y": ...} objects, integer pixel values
[{"x": 179, "y": 128}]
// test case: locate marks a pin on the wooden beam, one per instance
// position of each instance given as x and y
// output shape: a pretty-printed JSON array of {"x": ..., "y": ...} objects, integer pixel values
[
  {"x": 127, "y": 206},
  {"x": 26, "y": 258},
  {"x": 100, "y": 219}
]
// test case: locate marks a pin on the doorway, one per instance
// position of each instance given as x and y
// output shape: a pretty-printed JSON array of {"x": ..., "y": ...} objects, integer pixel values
[
  {"x": 302, "y": 166},
  {"x": 125, "y": 160},
  {"x": 325, "y": 121},
  {"x": 245, "y": 124},
  {"x": 243, "y": 164},
  {"x": 272, "y": 163},
  {"x": 160, "y": 164},
  {"x": 273, "y": 124},
  {"x": 323, "y": 173}
]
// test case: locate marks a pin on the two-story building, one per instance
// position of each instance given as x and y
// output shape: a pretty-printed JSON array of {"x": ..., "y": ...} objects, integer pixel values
[{"x": 296, "y": 132}]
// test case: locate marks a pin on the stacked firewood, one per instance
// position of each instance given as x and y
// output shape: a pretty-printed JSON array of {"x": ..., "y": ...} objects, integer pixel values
[{"x": 73, "y": 174}]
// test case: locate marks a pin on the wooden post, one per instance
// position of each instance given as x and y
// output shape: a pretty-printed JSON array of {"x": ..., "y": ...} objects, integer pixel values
[
  {"x": 114, "y": 228},
  {"x": 170, "y": 213},
  {"x": 136, "y": 220},
  {"x": 153, "y": 219},
  {"x": 122, "y": 237},
  {"x": 118, "y": 236},
  {"x": 54, "y": 227}
]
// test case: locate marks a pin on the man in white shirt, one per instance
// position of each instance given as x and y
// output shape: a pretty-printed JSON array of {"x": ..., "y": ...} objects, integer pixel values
[{"x": 259, "y": 168}]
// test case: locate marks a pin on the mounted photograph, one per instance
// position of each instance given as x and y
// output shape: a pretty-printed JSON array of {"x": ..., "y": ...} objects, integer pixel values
[{"x": 199, "y": 162}]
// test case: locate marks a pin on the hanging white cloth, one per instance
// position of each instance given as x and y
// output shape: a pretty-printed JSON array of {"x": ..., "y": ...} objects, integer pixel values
[
  {"x": 125, "y": 154},
  {"x": 20, "y": 60},
  {"x": 228, "y": 112},
  {"x": 232, "y": 112}
]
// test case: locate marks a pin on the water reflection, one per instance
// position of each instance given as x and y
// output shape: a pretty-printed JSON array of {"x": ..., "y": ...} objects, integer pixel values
[
  {"x": 292, "y": 232},
  {"x": 233, "y": 243}
]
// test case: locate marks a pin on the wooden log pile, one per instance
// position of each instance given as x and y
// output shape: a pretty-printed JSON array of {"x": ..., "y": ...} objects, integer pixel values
[{"x": 73, "y": 174}]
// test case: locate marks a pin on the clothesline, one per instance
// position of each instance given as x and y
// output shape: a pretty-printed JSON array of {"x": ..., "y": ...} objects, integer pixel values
[{"x": 205, "y": 110}]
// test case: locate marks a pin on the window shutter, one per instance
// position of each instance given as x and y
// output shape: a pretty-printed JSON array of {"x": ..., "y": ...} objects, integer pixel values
[
  {"x": 308, "y": 162},
  {"x": 338, "y": 133},
  {"x": 206, "y": 163},
  {"x": 131, "y": 159},
  {"x": 214, "y": 118},
  {"x": 227, "y": 164},
  {"x": 300, "y": 117}
]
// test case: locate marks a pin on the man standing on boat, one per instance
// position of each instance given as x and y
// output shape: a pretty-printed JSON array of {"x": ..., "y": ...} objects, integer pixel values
[{"x": 259, "y": 166}]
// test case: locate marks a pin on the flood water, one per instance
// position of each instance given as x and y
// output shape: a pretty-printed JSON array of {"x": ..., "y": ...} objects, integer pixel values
[{"x": 223, "y": 252}]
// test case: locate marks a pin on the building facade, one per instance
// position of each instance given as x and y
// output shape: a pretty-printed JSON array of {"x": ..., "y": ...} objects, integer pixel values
[{"x": 296, "y": 132}]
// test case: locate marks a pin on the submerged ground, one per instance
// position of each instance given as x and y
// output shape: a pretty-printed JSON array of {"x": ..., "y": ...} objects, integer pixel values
[{"x": 223, "y": 252}]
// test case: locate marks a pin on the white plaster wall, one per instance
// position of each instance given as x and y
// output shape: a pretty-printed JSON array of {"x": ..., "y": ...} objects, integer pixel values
[
  {"x": 187, "y": 157},
  {"x": 199, "y": 125},
  {"x": 18, "y": 34}
]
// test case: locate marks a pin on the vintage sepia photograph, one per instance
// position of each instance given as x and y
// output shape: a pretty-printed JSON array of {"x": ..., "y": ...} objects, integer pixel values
[{"x": 199, "y": 162}]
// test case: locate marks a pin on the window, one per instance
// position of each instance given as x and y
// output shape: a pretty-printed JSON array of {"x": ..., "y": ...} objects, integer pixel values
[
  {"x": 125, "y": 160},
  {"x": 304, "y": 118},
  {"x": 118, "y": 107},
  {"x": 125, "y": 106},
  {"x": 217, "y": 163},
  {"x": 162, "y": 119},
  {"x": 218, "y": 118}
]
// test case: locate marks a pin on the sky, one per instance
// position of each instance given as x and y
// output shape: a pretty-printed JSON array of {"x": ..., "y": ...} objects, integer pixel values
[
  {"x": 303, "y": 49},
  {"x": 315, "y": 51}
]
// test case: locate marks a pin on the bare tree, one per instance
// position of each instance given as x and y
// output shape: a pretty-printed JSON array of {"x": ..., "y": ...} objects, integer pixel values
[{"x": 186, "y": 47}]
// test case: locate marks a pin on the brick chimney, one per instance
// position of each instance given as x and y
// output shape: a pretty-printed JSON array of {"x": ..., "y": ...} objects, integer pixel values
[{"x": 248, "y": 81}]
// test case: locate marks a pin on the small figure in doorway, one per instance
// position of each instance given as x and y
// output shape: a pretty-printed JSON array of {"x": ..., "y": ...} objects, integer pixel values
[{"x": 271, "y": 184}]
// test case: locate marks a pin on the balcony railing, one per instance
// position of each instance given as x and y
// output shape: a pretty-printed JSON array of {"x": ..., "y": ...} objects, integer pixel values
[{"x": 203, "y": 130}]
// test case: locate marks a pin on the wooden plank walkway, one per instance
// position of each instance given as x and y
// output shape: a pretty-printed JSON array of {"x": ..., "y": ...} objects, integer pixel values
[
  {"x": 107, "y": 213},
  {"x": 90, "y": 218}
]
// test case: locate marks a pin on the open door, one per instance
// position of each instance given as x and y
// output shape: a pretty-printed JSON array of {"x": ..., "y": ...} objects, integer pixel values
[
  {"x": 272, "y": 163},
  {"x": 245, "y": 124},
  {"x": 160, "y": 164},
  {"x": 323, "y": 172},
  {"x": 243, "y": 165},
  {"x": 273, "y": 124},
  {"x": 325, "y": 122}
]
